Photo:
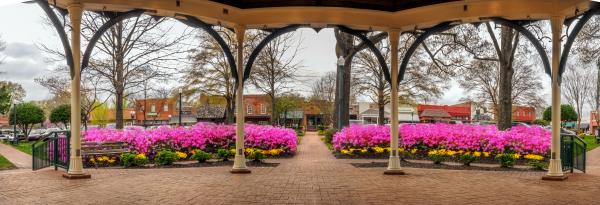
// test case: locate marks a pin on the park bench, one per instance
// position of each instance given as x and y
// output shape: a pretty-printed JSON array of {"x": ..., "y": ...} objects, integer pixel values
[{"x": 103, "y": 148}]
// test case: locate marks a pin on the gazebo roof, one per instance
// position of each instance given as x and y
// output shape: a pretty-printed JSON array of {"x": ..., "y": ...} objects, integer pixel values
[
  {"x": 381, "y": 15},
  {"x": 379, "y": 5}
]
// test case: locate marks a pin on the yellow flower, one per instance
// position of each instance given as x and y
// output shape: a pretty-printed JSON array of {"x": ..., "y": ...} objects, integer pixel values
[
  {"x": 400, "y": 150},
  {"x": 363, "y": 150},
  {"x": 92, "y": 160},
  {"x": 111, "y": 161},
  {"x": 477, "y": 154},
  {"x": 451, "y": 153},
  {"x": 378, "y": 149},
  {"x": 486, "y": 154},
  {"x": 140, "y": 156},
  {"x": 181, "y": 155},
  {"x": 275, "y": 152},
  {"x": 232, "y": 151},
  {"x": 534, "y": 157},
  {"x": 345, "y": 151},
  {"x": 516, "y": 156},
  {"x": 414, "y": 150}
]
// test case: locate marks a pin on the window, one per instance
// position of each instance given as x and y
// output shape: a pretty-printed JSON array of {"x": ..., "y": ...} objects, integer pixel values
[
  {"x": 153, "y": 108},
  {"x": 249, "y": 109},
  {"x": 263, "y": 109},
  {"x": 166, "y": 107}
]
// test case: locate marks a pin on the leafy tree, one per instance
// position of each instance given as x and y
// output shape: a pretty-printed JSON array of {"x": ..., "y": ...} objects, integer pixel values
[
  {"x": 4, "y": 99},
  {"x": 28, "y": 114},
  {"x": 567, "y": 113},
  {"x": 287, "y": 103},
  {"x": 61, "y": 114},
  {"x": 16, "y": 90},
  {"x": 100, "y": 115}
]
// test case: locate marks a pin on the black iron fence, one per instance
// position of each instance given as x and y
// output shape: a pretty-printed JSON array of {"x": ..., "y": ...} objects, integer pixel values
[
  {"x": 51, "y": 150},
  {"x": 572, "y": 152}
]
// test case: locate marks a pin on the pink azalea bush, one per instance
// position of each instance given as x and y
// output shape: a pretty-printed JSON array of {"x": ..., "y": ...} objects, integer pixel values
[
  {"x": 520, "y": 139},
  {"x": 200, "y": 136}
]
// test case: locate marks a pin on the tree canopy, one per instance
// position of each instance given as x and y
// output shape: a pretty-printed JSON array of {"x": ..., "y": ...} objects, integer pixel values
[
  {"x": 61, "y": 114},
  {"x": 28, "y": 114},
  {"x": 567, "y": 113}
]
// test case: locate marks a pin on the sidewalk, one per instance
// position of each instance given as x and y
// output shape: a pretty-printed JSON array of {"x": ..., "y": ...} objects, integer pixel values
[{"x": 18, "y": 158}]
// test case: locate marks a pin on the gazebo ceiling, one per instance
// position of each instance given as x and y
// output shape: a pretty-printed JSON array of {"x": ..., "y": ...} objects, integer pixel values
[
  {"x": 358, "y": 14},
  {"x": 379, "y": 5}
]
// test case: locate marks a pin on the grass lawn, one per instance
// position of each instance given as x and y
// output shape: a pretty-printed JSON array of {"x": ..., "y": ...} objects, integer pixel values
[
  {"x": 22, "y": 146},
  {"x": 591, "y": 142},
  {"x": 5, "y": 164}
]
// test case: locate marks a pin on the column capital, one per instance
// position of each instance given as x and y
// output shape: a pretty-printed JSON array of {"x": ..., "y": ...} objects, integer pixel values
[
  {"x": 239, "y": 29},
  {"x": 394, "y": 35},
  {"x": 75, "y": 6}
]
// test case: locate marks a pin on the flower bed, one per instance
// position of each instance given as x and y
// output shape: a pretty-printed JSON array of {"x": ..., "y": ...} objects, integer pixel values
[
  {"x": 445, "y": 141},
  {"x": 272, "y": 141}
]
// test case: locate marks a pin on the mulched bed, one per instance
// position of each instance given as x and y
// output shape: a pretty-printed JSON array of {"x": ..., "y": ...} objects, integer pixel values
[
  {"x": 488, "y": 160},
  {"x": 443, "y": 166},
  {"x": 187, "y": 164}
]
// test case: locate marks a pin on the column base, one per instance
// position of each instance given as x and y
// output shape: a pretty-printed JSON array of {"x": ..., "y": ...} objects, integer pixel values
[
  {"x": 394, "y": 167},
  {"x": 76, "y": 176},
  {"x": 394, "y": 172},
  {"x": 240, "y": 171},
  {"x": 554, "y": 178}
]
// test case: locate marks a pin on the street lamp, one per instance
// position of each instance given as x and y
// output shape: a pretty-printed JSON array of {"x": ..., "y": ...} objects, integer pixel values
[
  {"x": 340, "y": 86},
  {"x": 16, "y": 139},
  {"x": 180, "y": 106}
]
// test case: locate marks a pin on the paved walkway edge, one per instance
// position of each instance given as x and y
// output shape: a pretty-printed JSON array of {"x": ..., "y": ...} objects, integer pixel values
[{"x": 18, "y": 158}]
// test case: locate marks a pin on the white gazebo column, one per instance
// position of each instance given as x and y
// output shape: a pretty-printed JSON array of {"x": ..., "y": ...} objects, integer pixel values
[
  {"x": 239, "y": 163},
  {"x": 75, "y": 163},
  {"x": 394, "y": 162},
  {"x": 555, "y": 168}
]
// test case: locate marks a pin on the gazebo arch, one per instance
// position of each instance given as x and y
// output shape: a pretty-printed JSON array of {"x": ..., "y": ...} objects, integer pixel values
[{"x": 391, "y": 16}]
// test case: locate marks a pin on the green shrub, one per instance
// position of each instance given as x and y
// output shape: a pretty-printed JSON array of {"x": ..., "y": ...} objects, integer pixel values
[
  {"x": 201, "y": 156},
  {"x": 538, "y": 165},
  {"x": 541, "y": 122},
  {"x": 467, "y": 158},
  {"x": 165, "y": 157},
  {"x": 320, "y": 132},
  {"x": 140, "y": 160},
  {"x": 329, "y": 134},
  {"x": 127, "y": 159},
  {"x": 320, "y": 128},
  {"x": 257, "y": 156},
  {"x": 437, "y": 156},
  {"x": 223, "y": 154},
  {"x": 506, "y": 159}
]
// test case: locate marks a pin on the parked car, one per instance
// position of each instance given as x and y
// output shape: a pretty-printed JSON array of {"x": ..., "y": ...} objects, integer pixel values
[
  {"x": 36, "y": 134},
  {"x": 514, "y": 124}
]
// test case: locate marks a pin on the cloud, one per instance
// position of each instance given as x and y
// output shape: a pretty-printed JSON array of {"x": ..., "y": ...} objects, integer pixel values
[{"x": 22, "y": 64}]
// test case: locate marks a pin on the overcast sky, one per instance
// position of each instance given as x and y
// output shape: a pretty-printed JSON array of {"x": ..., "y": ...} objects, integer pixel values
[{"x": 22, "y": 29}]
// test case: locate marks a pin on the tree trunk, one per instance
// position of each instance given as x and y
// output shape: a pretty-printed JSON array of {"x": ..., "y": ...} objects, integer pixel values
[
  {"x": 273, "y": 111},
  {"x": 380, "y": 120},
  {"x": 505, "y": 81},
  {"x": 229, "y": 117},
  {"x": 119, "y": 111}
]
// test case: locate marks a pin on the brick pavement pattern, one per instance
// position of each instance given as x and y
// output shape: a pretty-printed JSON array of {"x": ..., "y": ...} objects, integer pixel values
[
  {"x": 18, "y": 158},
  {"x": 313, "y": 176}
]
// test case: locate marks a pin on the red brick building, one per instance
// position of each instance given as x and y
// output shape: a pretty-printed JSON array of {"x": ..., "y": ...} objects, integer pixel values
[
  {"x": 257, "y": 109},
  {"x": 444, "y": 113},
  {"x": 160, "y": 111},
  {"x": 524, "y": 114}
]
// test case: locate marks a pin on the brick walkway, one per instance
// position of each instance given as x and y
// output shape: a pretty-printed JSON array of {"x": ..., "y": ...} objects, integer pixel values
[
  {"x": 18, "y": 158},
  {"x": 314, "y": 176}
]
